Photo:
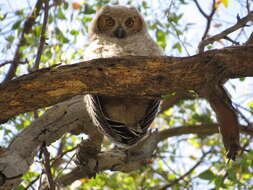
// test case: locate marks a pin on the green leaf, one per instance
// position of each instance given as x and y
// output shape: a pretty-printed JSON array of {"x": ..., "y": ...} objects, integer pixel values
[
  {"x": 20, "y": 187},
  {"x": 60, "y": 36},
  {"x": 10, "y": 38},
  {"x": 60, "y": 14},
  {"x": 74, "y": 32},
  {"x": 19, "y": 12},
  {"x": 16, "y": 25},
  {"x": 161, "y": 39},
  {"x": 177, "y": 46},
  {"x": 65, "y": 5},
  {"x": 2, "y": 17},
  {"x": 88, "y": 9},
  {"x": 207, "y": 175}
]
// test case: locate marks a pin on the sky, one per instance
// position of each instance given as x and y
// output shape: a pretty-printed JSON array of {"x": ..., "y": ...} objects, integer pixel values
[{"x": 244, "y": 91}]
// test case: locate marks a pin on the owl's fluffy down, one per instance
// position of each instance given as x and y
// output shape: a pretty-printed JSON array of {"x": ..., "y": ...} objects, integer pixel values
[{"x": 125, "y": 120}]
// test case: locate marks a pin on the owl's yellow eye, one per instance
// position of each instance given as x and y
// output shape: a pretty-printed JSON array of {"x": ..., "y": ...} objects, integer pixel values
[
  {"x": 129, "y": 22},
  {"x": 109, "y": 21}
]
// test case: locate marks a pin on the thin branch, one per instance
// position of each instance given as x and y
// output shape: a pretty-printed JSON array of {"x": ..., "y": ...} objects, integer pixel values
[
  {"x": 209, "y": 19},
  {"x": 240, "y": 23},
  {"x": 58, "y": 157},
  {"x": 232, "y": 41},
  {"x": 187, "y": 173},
  {"x": 248, "y": 5},
  {"x": 167, "y": 103},
  {"x": 200, "y": 9},
  {"x": 32, "y": 182},
  {"x": 11, "y": 62},
  {"x": 48, "y": 168},
  {"x": 27, "y": 28},
  {"x": 42, "y": 35}
]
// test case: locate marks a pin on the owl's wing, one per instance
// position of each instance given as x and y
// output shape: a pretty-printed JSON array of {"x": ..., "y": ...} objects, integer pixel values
[
  {"x": 150, "y": 115},
  {"x": 118, "y": 132}
]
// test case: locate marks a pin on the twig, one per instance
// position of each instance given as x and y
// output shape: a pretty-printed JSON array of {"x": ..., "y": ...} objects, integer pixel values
[
  {"x": 67, "y": 164},
  {"x": 62, "y": 154},
  {"x": 187, "y": 173},
  {"x": 10, "y": 62},
  {"x": 241, "y": 23},
  {"x": 232, "y": 41},
  {"x": 248, "y": 5},
  {"x": 32, "y": 182},
  {"x": 167, "y": 103},
  {"x": 42, "y": 35},
  {"x": 200, "y": 9},
  {"x": 209, "y": 20},
  {"x": 48, "y": 168},
  {"x": 27, "y": 28}
]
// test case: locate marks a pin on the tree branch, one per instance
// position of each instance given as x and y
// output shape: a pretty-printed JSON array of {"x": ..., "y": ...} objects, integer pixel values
[
  {"x": 127, "y": 76},
  {"x": 200, "y": 9},
  {"x": 186, "y": 173},
  {"x": 26, "y": 29},
  {"x": 68, "y": 116},
  {"x": 209, "y": 19},
  {"x": 47, "y": 166},
  {"x": 240, "y": 23},
  {"x": 42, "y": 35}
]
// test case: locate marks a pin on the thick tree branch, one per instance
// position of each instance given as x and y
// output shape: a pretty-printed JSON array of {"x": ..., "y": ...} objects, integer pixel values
[
  {"x": 115, "y": 157},
  {"x": 62, "y": 118},
  {"x": 226, "y": 115},
  {"x": 128, "y": 76},
  {"x": 69, "y": 116}
]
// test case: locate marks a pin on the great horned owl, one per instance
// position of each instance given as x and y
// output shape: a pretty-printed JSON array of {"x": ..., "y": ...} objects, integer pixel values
[{"x": 121, "y": 31}]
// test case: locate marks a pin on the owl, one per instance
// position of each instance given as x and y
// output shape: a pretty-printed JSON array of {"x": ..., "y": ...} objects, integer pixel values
[{"x": 121, "y": 31}]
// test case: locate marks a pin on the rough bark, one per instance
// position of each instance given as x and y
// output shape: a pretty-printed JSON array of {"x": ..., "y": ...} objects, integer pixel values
[
  {"x": 62, "y": 118},
  {"x": 72, "y": 116},
  {"x": 128, "y": 76}
]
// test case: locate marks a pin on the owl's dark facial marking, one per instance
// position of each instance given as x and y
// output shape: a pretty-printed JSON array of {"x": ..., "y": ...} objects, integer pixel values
[
  {"x": 105, "y": 23},
  {"x": 119, "y": 32}
]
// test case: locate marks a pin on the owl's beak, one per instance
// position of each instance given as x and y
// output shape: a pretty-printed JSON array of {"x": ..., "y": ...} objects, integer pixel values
[{"x": 119, "y": 32}]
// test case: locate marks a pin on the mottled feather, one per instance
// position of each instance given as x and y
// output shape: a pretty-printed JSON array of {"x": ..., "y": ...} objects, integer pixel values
[{"x": 121, "y": 31}]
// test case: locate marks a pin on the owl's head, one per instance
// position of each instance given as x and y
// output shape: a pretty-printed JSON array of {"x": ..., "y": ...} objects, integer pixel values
[{"x": 119, "y": 22}]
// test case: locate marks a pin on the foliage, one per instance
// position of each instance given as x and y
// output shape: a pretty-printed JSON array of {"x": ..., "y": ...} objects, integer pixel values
[{"x": 66, "y": 41}]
